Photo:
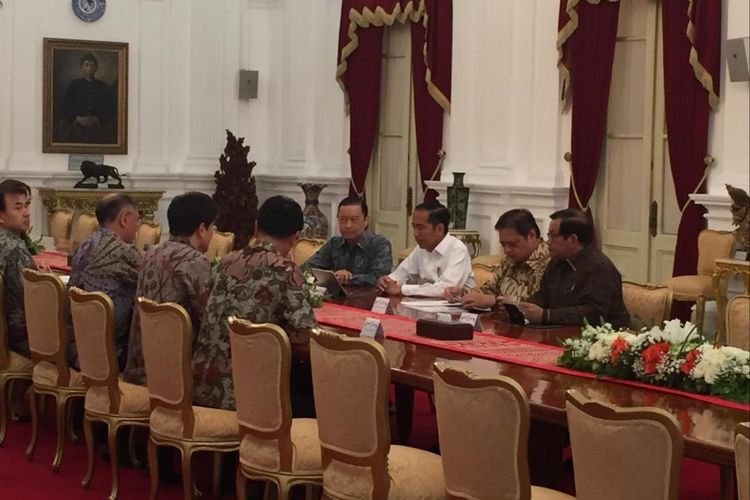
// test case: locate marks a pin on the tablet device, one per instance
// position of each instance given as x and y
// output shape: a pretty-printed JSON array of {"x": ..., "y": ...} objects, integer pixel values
[
  {"x": 327, "y": 279},
  {"x": 515, "y": 315}
]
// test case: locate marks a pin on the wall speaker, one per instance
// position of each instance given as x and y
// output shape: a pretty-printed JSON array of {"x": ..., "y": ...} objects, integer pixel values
[
  {"x": 737, "y": 60},
  {"x": 248, "y": 84}
]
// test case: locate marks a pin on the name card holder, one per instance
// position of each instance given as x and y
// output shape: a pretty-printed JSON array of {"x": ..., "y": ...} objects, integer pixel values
[
  {"x": 469, "y": 318},
  {"x": 372, "y": 329},
  {"x": 381, "y": 305}
]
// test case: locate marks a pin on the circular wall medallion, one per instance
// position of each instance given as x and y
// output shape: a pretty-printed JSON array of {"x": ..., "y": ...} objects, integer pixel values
[{"x": 89, "y": 10}]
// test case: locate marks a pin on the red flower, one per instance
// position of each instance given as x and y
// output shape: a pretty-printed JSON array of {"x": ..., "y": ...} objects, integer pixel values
[
  {"x": 690, "y": 359},
  {"x": 618, "y": 346},
  {"x": 652, "y": 355}
]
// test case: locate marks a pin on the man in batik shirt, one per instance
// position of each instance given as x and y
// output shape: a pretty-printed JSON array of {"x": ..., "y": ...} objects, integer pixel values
[
  {"x": 108, "y": 262},
  {"x": 520, "y": 272},
  {"x": 175, "y": 271},
  {"x": 15, "y": 199},
  {"x": 260, "y": 284},
  {"x": 357, "y": 257}
]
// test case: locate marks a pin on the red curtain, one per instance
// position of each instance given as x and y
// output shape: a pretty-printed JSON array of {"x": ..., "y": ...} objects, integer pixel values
[
  {"x": 691, "y": 81},
  {"x": 360, "y": 41},
  {"x": 586, "y": 41}
]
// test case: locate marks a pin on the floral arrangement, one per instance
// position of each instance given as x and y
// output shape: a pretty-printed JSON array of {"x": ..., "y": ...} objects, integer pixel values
[
  {"x": 314, "y": 295},
  {"x": 674, "y": 355},
  {"x": 33, "y": 246}
]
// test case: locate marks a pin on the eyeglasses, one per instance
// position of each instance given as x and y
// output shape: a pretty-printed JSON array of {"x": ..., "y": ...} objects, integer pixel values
[{"x": 553, "y": 235}]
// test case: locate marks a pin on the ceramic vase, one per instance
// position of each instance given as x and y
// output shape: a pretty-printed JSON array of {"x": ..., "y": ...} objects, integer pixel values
[
  {"x": 316, "y": 223},
  {"x": 458, "y": 201}
]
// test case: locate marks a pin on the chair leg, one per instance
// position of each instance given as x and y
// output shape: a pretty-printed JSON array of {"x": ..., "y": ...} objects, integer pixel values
[
  {"x": 89, "y": 436},
  {"x": 134, "y": 461},
  {"x": 69, "y": 420},
  {"x": 187, "y": 474},
  {"x": 283, "y": 489},
  {"x": 34, "y": 423},
  {"x": 62, "y": 404},
  {"x": 241, "y": 485},
  {"x": 216, "y": 479},
  {"x": 4, "y": 409},
  {"x": 113, "y": 458},
  {"x": 153, "y": 469},
  {"x": 700, "y": 311}
]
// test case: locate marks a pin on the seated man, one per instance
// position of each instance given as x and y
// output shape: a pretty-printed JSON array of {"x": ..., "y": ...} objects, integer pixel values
[
  {"x": 519, "y": 274},
  {"x": 440, "y": 261},
  {"x": 175, "y": 271},
  {"x": 108, "y": 262},
  {"x": 15, "y": 199},
  {"x": 260, "y": 284},
  {"x": 357, "y": 257},
  {"x": 580, "y": 282}
]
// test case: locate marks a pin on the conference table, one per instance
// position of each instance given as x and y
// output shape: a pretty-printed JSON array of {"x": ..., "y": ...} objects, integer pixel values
[{"x": 708, "y": 429}]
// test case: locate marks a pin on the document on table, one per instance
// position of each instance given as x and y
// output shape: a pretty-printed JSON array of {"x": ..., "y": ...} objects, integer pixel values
[{"x": 433, "y": 306}]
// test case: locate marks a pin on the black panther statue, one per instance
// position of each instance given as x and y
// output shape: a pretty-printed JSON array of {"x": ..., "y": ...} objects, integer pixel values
[{"x": 101, "y": 173}]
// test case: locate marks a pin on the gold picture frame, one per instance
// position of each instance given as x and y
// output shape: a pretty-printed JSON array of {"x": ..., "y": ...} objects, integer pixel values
[{"x": 85, "y": 97}]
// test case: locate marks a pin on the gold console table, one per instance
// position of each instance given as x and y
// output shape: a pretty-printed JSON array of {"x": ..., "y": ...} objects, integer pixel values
[
  {"x": 470, "y": 239},
  {"x": 724, "y": 268},
  {"x": 85, "y": 200}
]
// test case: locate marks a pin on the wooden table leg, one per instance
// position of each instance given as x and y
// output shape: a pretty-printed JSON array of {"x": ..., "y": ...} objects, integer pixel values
[{"x": 404, "y": 411}]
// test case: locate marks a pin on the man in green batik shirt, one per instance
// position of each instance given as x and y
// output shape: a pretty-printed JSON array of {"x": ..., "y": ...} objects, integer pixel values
[
  {"x": 260, "y": 284},
  {"x": 357, "y": 257}
]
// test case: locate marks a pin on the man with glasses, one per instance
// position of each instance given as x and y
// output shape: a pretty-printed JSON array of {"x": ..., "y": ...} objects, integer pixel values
[
  {"x": 357, "y": 257},
  {"x": 581, "y": 283}
]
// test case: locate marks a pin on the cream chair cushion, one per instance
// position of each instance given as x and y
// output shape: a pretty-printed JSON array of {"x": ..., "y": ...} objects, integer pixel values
[
  {"x": 304, "y": 248},
  {"x": 210, "y": 423},
  {"x": 414, "y": 475},
  {"x": 693, "y": 286},
  {"x": 738, "y": 322},
  {"x": 18, "y": 363},
  {"x": 134, "y": 400},
  {"x": 648, "y": 305},
  {"x": 221, "y": 244},
  {"x": 263, "y": 454},
  {"x": 713, "y": 245},
  {"x": 45, "y": 374}
]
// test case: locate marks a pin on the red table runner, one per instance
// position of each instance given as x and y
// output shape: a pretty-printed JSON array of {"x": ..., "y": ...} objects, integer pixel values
[
  {"x": 486, "y": 345},
  {"x": 57, "y": 261}
]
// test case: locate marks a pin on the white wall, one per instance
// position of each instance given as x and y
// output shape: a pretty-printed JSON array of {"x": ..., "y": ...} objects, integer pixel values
[{"x": 506, "y": 129}]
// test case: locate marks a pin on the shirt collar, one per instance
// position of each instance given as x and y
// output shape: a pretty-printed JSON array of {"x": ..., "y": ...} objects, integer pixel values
[
  {"x": 442, "y": 247},
  {"x": 10, "y": 233},
  {"x": 579, "y": 259},
  {"x": 366, "y": 236}
]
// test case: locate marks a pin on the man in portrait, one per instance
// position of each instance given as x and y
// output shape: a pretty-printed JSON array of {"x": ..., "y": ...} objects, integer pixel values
[{"x": 87, "y": 110}]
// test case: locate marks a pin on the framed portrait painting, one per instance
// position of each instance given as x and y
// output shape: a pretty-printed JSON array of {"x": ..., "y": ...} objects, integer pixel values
[{"x": 85, "y": 97}]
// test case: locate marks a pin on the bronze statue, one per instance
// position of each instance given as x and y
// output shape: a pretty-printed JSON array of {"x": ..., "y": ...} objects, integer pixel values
[
  {"x": 740, "y": 217},
  {"x": 235, "y": 192},
  {"x": 101, "y": 173}
]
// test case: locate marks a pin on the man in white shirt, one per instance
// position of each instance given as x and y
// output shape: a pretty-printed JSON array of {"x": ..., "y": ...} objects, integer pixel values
[{"x": 440, "y": 261}]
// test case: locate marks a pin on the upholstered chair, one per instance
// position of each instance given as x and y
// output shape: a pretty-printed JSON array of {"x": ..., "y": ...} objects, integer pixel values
[
  {"x": 483, "y": 267},
  {"x": 304, "y": 248},
  {"x": 742, "y": 460},
  {"x": 738, "y": 322},
  {"x": 699, "y": 288},
  {"x": 148, "y": 234},
  {"x": 483, "y": 425},
  {"x": 351, "y": 377},
  {"x": 45, "y": 304},
  {"x": 220, "y": 245},
  {"x": 13, "y": 367},
  {"x": 648, "y": 305},
  {"x": 84, "y": 224},
  {"x": 167, "y": 338},
  {"x": 274, "y": 447},
  {"x": 108, "y": 399},
  {"x": 59, "y": 229},
  {"x": 623, "y": 453}
]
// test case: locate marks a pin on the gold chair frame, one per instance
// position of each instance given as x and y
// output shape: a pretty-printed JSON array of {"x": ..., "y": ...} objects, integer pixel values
[
  {"x": 62, "y": 392},
  {"x": 284, "y": 479},
  {"x": 7, "y": 377},
  {"x": 609, "y": 412},
  {"x": 113, "y": 420},
  {"x": 742, "y": 432},
  {"x": 378, "y": 460},
  {"x": 731, "y": 332},
  {"x": 187, "y": 446},
  {"x": 650, "y": 287}
]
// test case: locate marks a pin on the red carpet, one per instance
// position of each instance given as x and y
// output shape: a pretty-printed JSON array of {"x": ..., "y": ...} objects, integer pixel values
[{"x": 24, "y": 480}]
